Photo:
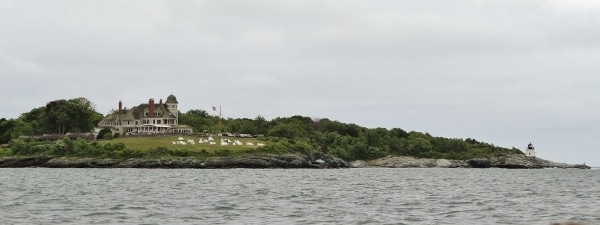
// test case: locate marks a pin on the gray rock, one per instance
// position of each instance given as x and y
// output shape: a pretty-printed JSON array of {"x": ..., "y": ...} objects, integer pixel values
[
  {"x": 409, "y": 162},
  {"x": 509, "y": 161},
  {"x": 81, "y": 163},
  {"x": 23, "y": 161},
  {"x": 274, "y": 161},
  {"x": 358, "y": 164},
  {"x": 316, "y": 160}
]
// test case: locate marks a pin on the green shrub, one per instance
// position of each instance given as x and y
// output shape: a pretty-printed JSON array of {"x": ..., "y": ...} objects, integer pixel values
[
  {"x": 19, "y": 147},
  {"x": 181, "y": 152},
  {"x": 158, "y": 152},
  {"x": 223, "y": 152},
  {"x": 5, "y": 152},
  {"x": 108, "y": 136},
  {"x": 102, "y": 133}
]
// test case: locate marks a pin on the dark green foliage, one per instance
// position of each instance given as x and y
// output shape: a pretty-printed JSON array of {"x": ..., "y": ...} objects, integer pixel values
[
  {"x": 6, "y": 127},
  {"x": 73, "y": 115},
  {"x": 108, "y": 136},
  {"x": 224, "y": 152},
  {"x": 283, "y": 135},
  {"x": 103, "y": 132},
  {"x": 200, "y": 120},
  {"x": 157, "y": 152},
  {"x": 20, "y": 147},
  {"x": 74, "y": 148},
  {"x": 60, "y": 116}
]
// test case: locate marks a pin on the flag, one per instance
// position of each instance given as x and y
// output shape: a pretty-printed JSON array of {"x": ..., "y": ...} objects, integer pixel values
[{"x": 214, "y": 108}]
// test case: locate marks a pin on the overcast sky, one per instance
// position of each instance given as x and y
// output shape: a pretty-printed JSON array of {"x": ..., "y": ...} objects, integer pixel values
[{"x": 503, "y": 72}]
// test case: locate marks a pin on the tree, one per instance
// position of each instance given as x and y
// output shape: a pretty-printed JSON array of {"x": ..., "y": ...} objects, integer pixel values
[
  {"x": 56, "y": 116},
  {"x": 73, "y": 115},
  {"x": 83, "y": 114},
  {"x": 199, "y": 119},
  {"x": 399, "y": 133},
  {"x": 6, "y": 127},
  {"x": 377, "y": 137},
  {"x": 103, "y": 132},
  {"x": 260, "y": 125},
  {"x": 291, "y": 131},
  {"x": 21, "y": 128},
  {"x": 197, "y": 112},
  {"x": 418, "y": 143}
]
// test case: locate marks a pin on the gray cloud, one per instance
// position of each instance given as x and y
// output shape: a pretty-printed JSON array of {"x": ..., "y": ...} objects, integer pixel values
[{"x": 509, "y": 72}]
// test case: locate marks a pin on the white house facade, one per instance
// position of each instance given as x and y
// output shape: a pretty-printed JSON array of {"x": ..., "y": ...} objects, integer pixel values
[{"x": 147, "y": 118}]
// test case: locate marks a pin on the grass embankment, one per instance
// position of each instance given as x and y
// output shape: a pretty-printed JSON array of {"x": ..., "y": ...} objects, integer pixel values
[
  {"x": 141, "y": 147},
  {"x": 5, "y": 152},
  {"x": 150, "y": 142}
]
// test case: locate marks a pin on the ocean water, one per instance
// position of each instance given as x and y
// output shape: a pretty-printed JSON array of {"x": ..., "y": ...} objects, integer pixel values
[{"x": 298, "y": 196}]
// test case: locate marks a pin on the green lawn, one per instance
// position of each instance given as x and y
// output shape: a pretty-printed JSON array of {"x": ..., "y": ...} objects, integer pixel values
[
  {"x": 4, "y": 152},
  {"x": 148, "y": 142}
]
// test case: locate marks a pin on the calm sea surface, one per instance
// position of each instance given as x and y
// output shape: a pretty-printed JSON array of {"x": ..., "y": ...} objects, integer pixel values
[{"x": 298, "y": 196}]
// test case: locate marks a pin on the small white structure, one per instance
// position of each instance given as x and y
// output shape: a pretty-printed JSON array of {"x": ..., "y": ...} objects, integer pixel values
[{"x": 530, "y": 152}]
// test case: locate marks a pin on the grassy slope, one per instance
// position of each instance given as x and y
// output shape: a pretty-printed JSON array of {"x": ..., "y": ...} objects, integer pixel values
[
  {"x": 145, "y": 143},
  {"x": 4, "y": 152}
]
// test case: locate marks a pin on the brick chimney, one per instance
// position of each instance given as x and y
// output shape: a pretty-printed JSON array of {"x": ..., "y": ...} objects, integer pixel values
[
  {"x": 120, "y": 107},
  {"x": 160, "y": 102},
  {"x": 151, "y": 103}
]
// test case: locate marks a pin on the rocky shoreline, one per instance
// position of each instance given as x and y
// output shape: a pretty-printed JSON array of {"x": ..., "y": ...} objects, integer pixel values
[
  {"x": 316, "y": 160},
  {"x": 508, "y": 162},
  {"x": 245, "y": 161}
]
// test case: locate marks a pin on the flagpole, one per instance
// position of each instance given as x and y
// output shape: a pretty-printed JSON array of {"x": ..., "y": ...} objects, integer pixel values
[{"x": 220, "y": 118}]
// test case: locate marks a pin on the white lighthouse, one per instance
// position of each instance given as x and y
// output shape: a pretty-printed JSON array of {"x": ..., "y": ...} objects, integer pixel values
[{"x": 530, "y": 152}]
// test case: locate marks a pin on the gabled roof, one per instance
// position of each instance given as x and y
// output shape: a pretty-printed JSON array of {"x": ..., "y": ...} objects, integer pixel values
[
  {"x": 109, "y": 118},
  {"x": 137, "y": 113}
]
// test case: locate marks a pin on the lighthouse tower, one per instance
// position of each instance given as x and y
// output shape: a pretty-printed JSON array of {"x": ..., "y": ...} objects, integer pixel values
[{"x": 530, "y": 152}]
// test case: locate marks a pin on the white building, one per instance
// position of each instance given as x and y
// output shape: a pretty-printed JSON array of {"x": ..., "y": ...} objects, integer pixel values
[
  {"x": 146, "y": 118},
  {"x": 530, "y": 152}
]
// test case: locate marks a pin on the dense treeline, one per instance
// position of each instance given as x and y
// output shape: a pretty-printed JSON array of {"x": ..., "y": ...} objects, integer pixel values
[
  {"x": 347, "y": 141},
  {"x": 285, "y": 134},
  {"x": 56, "y": 117}
]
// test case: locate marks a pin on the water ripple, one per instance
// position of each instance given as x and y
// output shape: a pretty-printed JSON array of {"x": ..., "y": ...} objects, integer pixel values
[{"x": 263, "y": 196}]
